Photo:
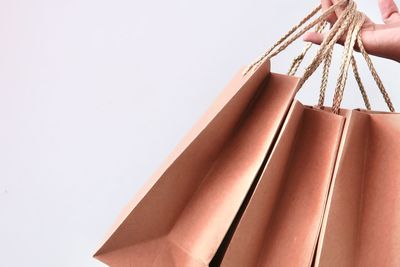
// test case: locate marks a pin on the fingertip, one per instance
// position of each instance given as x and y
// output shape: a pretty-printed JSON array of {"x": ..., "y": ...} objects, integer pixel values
[
  {"x": 307, "y": 36},
  {"x": 313, "y": 37},
  {"x": 389, "y": 10}
]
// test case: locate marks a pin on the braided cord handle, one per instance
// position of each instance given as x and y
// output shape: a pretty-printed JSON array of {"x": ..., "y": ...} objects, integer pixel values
[
  {"x": 360, "y": 84},
  {"x": 299, "y": 59},
  {"x": 353, "y": 38},
  {"x": 350, "y": 22},
  {"x": 287, "y": 39},
  {"x": 355, "y": 27},
  {"x": 337, "y": 30},
  {"x": 374, "y": 74},
  {"x": 325, "y": 73}
]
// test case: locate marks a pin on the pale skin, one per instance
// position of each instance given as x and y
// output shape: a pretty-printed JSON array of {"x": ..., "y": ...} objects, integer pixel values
[{"x": 379, "y": 39}]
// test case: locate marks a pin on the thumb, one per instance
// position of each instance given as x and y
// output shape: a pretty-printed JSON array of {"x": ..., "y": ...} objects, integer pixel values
[{"x": 389, "y": 11}]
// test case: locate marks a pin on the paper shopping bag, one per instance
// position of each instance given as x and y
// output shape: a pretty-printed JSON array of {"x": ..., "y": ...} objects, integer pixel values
[
  {"x": 362, "y": 222},
  {"x": 281, "y": 223},
  {"x": 183, "y": 214}
]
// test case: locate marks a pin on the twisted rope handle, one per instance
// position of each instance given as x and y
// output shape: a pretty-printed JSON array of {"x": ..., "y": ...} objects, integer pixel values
[
  {"x": 285, "y": 41},
  {"x": 325, "y": 74},
  {"x": 354, "y": 30},
  {"x": 299, "y": 59},
  {"x": 349, "y": 22},
  {"x": 360, "y": 84},
  {"x": 374, "y": 74},
  {"x": 324, "y": 81},
  {"x": 354, "y": 36},
  {"x": 327, "y": 62},
  {"x": 337, "y": 30}
]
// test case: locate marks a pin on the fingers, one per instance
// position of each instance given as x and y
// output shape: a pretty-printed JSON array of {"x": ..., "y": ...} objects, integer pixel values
[
  {"x": 389, "y": 11},
  {"x": 339, "y": 10},
  {"x": 313, "y": 37},
  {"x": 325, "y": 5},
  {"x": 318, "y": 38}
]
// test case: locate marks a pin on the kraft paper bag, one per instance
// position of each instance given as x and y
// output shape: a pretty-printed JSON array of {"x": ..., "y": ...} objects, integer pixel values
[
  {"x": 182, "y": 215},
  {"x": 362, "y": 223},
  {"x": 187, "y": 214},
  {"x": 281, "y": 223}
]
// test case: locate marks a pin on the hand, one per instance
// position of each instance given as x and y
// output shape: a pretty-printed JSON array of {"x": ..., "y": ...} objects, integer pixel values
[{"x": 381, "y": 40}]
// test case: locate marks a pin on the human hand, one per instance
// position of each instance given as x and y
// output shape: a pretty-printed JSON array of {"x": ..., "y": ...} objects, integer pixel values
[{"x": 381, "y": 40}]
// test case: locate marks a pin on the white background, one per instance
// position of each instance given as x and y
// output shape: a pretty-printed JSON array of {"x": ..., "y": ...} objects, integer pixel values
[{"x": 94, "y": 94}]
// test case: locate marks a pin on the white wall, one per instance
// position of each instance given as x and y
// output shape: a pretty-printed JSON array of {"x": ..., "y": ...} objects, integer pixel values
[{"x": 94, "y": 94}]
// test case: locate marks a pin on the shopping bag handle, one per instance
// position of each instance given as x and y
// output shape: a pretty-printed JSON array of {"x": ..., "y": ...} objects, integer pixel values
[
  {"x": 354, "y": 37},
  {"x": 374, "y": 74},
  {"x": 350, "y": 18},
  {"x": 287, "y": 39},
  {"x": 357, "y": 20},
  {"x": 325, "y": 73}
]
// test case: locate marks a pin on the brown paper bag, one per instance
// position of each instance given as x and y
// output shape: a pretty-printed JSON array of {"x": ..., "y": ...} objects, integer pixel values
[
  {"x": 361, "y": 226},
  {"x": 281, "y": 223},
  {"x": 182, "y": 216},
  {"x": 362, "y": 223}
]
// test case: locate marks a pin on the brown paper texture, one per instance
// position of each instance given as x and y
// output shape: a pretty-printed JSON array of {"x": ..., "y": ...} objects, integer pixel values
[
  {"x": 362, "y": 222},
  {"x": 282, "y": 221},
  {"x": 182, "y": 215}
]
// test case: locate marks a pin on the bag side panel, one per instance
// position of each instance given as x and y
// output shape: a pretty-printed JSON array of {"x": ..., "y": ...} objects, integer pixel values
[
  {"x": 209, "y": 213},
  {"x": 287, "y": 207}
]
